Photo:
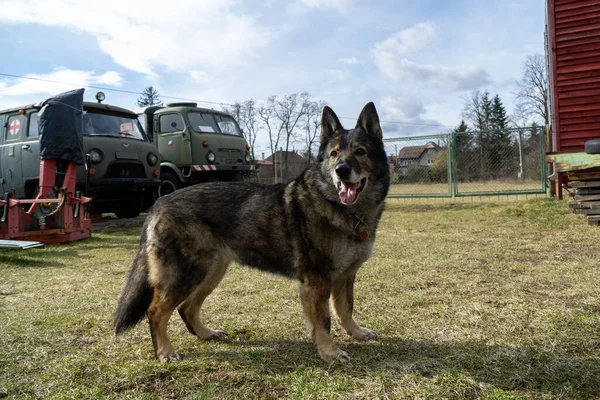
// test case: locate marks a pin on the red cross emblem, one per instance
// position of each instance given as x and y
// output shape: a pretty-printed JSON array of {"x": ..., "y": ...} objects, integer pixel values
[{"x": 14, "y": 127}]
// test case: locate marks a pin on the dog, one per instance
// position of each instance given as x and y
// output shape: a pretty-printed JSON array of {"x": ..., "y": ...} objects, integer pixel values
[{"x": 319, "y": 229}]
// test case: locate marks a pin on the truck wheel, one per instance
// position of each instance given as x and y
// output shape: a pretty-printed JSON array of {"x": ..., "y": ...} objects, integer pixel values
[
  {"x": 168, "y": 184},
  {"x": 130, "y": 208},
  {"x": 592, "y": 146}
]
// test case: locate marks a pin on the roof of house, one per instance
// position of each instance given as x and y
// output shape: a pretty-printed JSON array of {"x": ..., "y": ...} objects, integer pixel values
[
  {"x": 264, "y": 162},
  {"x": 414, "y": 152},
  {"x": 292, "y": 157}
]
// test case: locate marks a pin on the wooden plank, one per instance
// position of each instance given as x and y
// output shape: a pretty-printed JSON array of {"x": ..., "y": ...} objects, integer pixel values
[
  {"x": 594, "y": 218},
  {"x": 566, "y": 162},
  {"x": 587, "y": 211},
  {"x": 583, "y": 176},
  {"x": 587, "y": 197},
  {"x": 576, "y": 204},
  {"x": 590, "y": 204},
  {"x": 584, "y": 191},
  {"x": 584, "y": 184}
]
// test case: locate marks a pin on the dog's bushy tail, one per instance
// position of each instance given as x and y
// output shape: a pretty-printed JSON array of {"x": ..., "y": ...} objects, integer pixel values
[{"x": 136, "y": 297}]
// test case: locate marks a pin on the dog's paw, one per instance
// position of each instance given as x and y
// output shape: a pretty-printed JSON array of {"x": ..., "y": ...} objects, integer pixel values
[
  {"x": 334, "y": 355},
  {"x": 364, "y": 334},
  {"x": 212, "y": 334},
  {"x": 168, "y": 357}
]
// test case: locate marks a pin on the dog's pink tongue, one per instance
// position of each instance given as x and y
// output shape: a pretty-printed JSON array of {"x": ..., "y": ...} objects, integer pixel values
[{"x": 347, "y": 192}]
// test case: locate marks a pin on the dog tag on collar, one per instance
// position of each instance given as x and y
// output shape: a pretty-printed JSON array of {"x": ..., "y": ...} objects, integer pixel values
[{"x": 364, "y": 235}]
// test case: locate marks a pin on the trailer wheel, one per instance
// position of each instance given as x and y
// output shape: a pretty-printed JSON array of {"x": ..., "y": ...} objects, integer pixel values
[
  {"x": 45, "y": 209},
  {"x": 592, "y": 146},
  {"x": 168, "y": 184}
]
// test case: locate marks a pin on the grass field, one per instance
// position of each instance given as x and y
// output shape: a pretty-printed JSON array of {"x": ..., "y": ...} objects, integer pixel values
[{"x": 492, "y": 300}]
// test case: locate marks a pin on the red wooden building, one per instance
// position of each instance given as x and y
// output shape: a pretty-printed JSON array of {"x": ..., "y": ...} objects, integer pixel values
[{"x": 573, "y": 54}]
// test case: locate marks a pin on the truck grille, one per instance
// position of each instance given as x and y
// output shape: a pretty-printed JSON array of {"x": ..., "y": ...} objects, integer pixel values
[
  {"x": 230, "y": 156},
  {"x": 125, "y": 171}
]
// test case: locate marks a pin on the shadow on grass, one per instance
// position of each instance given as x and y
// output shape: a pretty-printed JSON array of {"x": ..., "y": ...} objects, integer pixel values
[
  {"x": 34, "y": 258},
  {"x": 506, "y": 367},
  {"x": 62, "y": 254}
]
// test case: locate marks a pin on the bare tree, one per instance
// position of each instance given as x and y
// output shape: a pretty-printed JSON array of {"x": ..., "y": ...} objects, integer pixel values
[
  {"x": 311, "y": 124},
  {"x": 246, "y": 114},
  {"x": 272, "y": 124},
  {"x": 250, "y": 122},
  {"x": 234, "y": 110},
  {"x": 477, "y": 109},
  {"x": 289, "y": 110},
  {"x": 532, "y": 90}
]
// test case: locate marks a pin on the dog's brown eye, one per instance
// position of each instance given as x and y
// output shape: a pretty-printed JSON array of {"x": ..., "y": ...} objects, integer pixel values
[
  {"x": 333, "y": 153},
  {"x": 360, "y": 152}
]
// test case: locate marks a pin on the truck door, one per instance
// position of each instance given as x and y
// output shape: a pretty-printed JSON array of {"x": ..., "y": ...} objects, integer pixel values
[
  {"x": 172, "y": 140},
  {"x": 30, "y": 152},
  {"x": 11, "y": 154}
]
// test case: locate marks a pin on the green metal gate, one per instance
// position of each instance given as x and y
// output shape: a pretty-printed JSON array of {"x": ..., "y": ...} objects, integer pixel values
[{"x": 471, "y": 163}]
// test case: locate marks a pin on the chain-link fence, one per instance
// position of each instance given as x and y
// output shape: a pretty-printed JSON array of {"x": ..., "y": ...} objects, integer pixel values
[{"x": 477, "y": 163}]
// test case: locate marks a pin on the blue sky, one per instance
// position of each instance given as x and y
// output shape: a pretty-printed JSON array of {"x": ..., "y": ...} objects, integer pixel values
[{"x": 415, "y": 59}]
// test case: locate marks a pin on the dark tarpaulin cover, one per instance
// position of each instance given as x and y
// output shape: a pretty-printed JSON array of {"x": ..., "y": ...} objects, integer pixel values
[{"x": 60, "y": 127}]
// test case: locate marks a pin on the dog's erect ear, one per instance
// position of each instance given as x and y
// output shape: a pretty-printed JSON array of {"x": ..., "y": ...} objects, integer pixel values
[
  {"x": 329, "y": 124},
  {"x": 369, "y": 121}
]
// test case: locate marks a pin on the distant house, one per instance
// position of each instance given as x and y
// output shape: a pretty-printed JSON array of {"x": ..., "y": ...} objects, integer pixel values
[
  {"x": 295, "y": 163},
  {"x": 417, "y": 155}
]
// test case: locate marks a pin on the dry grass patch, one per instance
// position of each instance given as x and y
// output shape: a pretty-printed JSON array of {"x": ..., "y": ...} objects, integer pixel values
[{"x": 495, "y": 300}]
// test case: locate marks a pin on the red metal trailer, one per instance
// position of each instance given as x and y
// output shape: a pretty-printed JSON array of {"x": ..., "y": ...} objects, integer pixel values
[{"x": 58, "y": 213}]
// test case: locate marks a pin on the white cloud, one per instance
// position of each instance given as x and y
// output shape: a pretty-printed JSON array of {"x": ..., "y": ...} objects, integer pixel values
[
  {"x": 201, "y": 77},
  {"x": 456, "y": 78},
  {"x": 390, "y": 56},
  {"x": 139, "y": 36},
  {"x": 408, "y": 40},
  {"x": 349, "y": 60},
  {"x": 67, "y": 80},
  {"x": 406, "y": 116},
  {"x": 340, "y": 5},
  {"x": 338, "y": 75},
  {"x": 402, "y": 108}
]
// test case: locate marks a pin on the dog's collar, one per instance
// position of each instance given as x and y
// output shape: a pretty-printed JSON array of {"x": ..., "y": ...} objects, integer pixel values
[{"x": 362, "y": 228}]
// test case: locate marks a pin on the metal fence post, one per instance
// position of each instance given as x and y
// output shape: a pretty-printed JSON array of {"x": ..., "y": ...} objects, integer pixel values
[{"x": 452, "y": 164}]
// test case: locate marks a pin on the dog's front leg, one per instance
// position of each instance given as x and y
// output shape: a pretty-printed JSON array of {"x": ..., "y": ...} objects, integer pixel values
[
  {"x": 314, "y": 294},
  {"x": 342, "y": 302}
]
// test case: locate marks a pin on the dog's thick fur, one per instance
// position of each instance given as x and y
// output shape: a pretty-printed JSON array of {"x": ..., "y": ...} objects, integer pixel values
[{"x": 318, "y": 229}]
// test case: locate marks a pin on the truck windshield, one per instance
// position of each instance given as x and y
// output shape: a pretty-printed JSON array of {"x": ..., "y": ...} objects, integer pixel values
[
  {"x": 228, "y": 125},
  {"x": 100, "y": 124},
  {"x": 213, "y": 123}
]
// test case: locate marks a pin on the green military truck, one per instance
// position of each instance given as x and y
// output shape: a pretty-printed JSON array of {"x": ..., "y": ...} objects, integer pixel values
[
  {"x": 122, "y": 172},
  {"x": 197, "y": 145}
]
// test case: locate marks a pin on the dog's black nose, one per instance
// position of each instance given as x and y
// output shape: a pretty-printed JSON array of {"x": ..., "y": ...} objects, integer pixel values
[{"x": 343, "y": 170}]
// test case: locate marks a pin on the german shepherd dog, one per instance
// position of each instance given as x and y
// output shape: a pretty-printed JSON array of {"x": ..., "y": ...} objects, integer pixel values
[{"x": 318, "y": 229}]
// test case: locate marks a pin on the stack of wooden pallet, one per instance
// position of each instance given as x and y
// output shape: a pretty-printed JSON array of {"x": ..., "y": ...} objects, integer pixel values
[{"x": 584, "y": 189}]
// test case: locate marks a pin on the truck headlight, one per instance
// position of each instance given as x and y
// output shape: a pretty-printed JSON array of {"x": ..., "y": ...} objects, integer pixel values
[
  {"x": 248, "y": 158},
  {"x": 152, "y": 159},
  {"x": 210, "y": 157},
  {"x": 95, "y": 156}
]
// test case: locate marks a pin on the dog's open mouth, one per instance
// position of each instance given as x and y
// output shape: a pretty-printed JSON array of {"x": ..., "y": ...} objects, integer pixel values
[{"x": 349, "y": 191}]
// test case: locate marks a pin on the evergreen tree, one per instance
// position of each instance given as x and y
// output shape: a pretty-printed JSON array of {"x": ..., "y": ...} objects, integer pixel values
[
  {"x": 502, "y": 162},
  {"x": 463, "y": 144},
  {"x": 484, "y": 136},
  {"x": 149, "y": 97},
  {"x": 498, "y": 117}
]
